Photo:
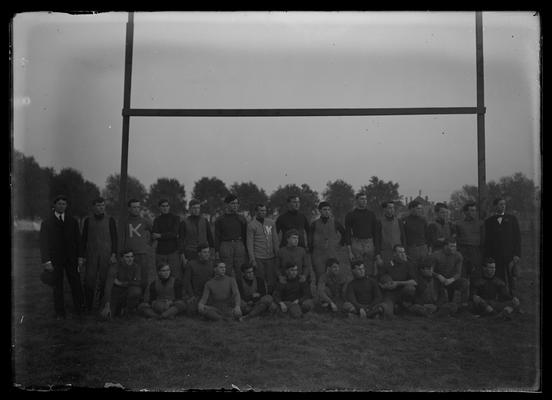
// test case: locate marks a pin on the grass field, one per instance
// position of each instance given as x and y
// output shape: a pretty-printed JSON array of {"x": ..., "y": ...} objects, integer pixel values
[{"x": 319, "y": 352}]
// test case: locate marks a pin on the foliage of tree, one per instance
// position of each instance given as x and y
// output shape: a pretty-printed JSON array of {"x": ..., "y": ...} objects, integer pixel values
[
  {"x": 521, "y": 194},
  {"x": 170, "y": 189},
  {"x": 31, "y": 187},
  {"x": 211, "y": 192},
  {"x": 249, "y": 195},
  {"x": 135, "y": 189},
  {"x": 307, "y": 196},
  {"x": 79, "y": 191},
  {"x": 378, "y": 191},
  {"x": 341, "y": 196}
]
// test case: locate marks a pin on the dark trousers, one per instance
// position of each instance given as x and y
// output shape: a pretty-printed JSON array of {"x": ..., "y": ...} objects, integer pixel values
[
  {"x": 97, "y": 267},
  {"x": 233, "y": 254},
  {"x": 125, "y": 297},
  {"x": 472, "y": 259},
  {"x": 70, "y": 268}
]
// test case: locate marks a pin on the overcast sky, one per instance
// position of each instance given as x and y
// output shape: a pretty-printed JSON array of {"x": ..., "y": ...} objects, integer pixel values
[{"x": 68, "y": 96}]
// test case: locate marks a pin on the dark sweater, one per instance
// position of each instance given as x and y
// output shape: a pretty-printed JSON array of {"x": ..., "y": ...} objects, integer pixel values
[
  {"x": 438, "y": 230},
  {"x": 293, "y": 220},
  {"x": 362, "y": 224},
  {"x": 415, "y": 230},
  {"x": 363, "y": 292},
  {"x": 196, "y": 274},
  {"x": 292, "y": 290},
  {"x": 127, "y": 275},
  {"x": 246, "y": 288},
  {"x": 397, "y": 271},
  {"x": 230, "y": 227},
  {"x": 167, "y": 225},
  {"x": 153, "y": 295},
  {"x": 491, "y": 289}
]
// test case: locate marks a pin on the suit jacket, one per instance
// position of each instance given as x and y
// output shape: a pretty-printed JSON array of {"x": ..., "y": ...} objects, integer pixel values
[
  {"x": 59, "y": 241},
  {"x": 502, "y": 240}
]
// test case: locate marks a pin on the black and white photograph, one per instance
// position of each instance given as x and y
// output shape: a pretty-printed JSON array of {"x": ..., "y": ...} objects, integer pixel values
[{"x": 276, "y": 201}]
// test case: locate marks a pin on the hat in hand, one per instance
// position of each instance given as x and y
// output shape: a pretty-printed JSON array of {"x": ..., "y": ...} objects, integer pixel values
[{"x": 47, "y": 277}]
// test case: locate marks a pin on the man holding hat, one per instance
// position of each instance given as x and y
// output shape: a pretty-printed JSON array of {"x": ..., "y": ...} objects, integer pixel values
[
  {"x": 231, "y": 236},
  {"x": 325, "y": 235},
  {"x": 59, "y": 249}
]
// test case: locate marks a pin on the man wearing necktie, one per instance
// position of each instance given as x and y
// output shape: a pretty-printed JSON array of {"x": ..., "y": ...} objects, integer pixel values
[
  {"x": 503, "y": 243},
  {"x": 59, "y": 248}
]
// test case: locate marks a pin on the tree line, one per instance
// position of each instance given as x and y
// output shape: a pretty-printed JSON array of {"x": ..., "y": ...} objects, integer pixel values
[{"x": 34, "y": 187}]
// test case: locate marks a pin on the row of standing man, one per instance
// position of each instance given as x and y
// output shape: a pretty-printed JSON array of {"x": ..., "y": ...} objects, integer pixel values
[{"x": 263, "y": 243}]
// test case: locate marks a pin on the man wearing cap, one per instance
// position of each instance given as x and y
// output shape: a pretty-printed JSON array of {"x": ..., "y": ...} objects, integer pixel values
[
  {"x": 98, "y": 251},
  {"x": 59, "y": 250},
  {"x": 165, "y": 232},
  {"x": 262, "y": 246},
  {"x": 293, "y": 219},
  {"x": 231, "y": 237},
  {"x": 194, "y": 229},
  {"x": 362, "y": 235},
  {"x": 325, "y": 235},
  {"x": 503, "y": 243}
]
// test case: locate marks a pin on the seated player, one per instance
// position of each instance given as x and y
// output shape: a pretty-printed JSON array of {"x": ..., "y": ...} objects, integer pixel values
[
  {"x": 196, "y": 273},
  {"x": 221, "y": 296},
  {"x": 397, "y": 280},
  {"x": 292, "y": 253},
  {"x": 332, "y": 285},
  {"x": 363, "y": 295},
  {"x": 431, "y": 297},
  {"x": 490, "y": 294},
  {"x": 165, "y": 295},
  {"x": 447, "y": 267},
  {"x": 123, "y": 287},
  {"x": 293, "y": 296},
  {"x": 255, "y": 299}
]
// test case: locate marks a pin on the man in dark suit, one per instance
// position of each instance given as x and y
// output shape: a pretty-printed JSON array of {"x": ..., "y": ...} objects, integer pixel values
[
  {"x": 59, "y": 248},
  {"x": 503, "y": 243}
]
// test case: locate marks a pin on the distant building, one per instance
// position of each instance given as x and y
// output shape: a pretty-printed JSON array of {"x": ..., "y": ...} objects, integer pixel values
[{"x": 427, "y": 205}]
